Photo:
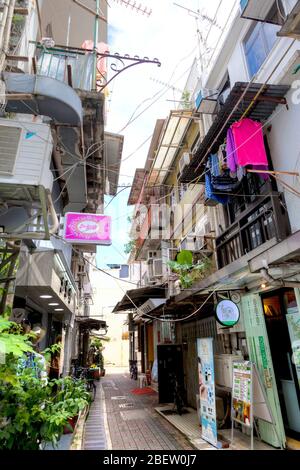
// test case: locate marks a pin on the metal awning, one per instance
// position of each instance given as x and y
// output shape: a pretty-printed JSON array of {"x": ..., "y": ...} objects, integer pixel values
[
  {"x": 91, "y": 323},
  {"x": 113, "y": 144},
  {"x": 262, "y": 109},
  {"x": 139, "y": 297},
  {"x": 170, "y": 143},
  {"x": 136, "y": 187}
]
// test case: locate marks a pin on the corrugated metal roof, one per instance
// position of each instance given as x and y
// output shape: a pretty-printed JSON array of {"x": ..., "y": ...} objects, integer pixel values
[
  {"x": 261, "y": 111},
  {"x": 139, "y": 297}
]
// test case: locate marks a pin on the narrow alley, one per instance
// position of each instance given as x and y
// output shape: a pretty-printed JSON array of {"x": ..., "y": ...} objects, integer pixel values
[{"x": 127, "y": 421}]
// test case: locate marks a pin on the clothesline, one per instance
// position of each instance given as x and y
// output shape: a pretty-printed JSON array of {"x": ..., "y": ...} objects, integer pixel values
[{"x": 290, "y": 173}]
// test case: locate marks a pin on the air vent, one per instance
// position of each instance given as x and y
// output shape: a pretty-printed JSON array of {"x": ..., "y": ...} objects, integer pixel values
[{"x": 9, "y": 145}]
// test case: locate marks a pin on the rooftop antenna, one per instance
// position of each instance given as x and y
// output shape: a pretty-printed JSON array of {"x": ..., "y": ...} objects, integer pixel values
[
  {"x": 144, "y": 10},
  {"x": 202, "y": 42}
]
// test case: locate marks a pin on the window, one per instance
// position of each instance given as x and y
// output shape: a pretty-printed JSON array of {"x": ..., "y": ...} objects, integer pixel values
[{"x": 260, "y": 41}]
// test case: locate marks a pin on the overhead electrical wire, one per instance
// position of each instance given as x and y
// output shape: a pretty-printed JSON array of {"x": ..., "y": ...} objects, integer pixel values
[{"x": 129, "y": 282}]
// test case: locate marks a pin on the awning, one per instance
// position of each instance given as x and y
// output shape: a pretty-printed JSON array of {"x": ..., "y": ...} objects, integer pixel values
[
  {"x": 91, "y": 323},
  {"x": 265, "y": 105},
  {"x": 139, "y": 297},
  {"x": 136, "y": 187},
  {"x": 170, "y": 143}
]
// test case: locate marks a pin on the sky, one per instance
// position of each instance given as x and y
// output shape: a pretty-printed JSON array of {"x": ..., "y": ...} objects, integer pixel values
[{"x": 170, "y": 35}]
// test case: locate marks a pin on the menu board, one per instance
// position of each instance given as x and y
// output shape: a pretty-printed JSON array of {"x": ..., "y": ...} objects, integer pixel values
[
  {"x": 242, "y": 392},
  {"x": 207, "y": 390}
]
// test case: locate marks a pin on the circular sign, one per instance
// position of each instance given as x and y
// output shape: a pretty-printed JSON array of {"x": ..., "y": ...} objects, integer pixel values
[{"x": 227, "y": 313}]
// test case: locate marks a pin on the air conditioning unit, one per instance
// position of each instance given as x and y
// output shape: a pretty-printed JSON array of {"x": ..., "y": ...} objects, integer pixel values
[
  {"x": 188, "y": 242},
  {"x": 25, "y": 158},
  {"x": 184, "y": 161},
  {"x": 150, "y": 305},
  {"x": 255, "y": 9},
  {"x": 206, "y": 101},
  {"x": 291, "y": 27}
]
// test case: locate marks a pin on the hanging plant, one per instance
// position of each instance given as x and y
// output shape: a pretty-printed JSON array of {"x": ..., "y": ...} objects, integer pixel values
[{"x": 189, "y": 273}]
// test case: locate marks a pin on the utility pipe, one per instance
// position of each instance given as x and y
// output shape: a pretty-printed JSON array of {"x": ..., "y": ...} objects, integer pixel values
[
  {"x": 96, "y": 37},
  {"x": 6, "y": 37},
  {"x": 278, "y": 282},
  {"x": 3, "y": 21}
]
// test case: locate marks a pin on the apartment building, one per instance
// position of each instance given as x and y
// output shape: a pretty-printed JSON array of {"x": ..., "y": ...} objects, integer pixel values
[{"x": 244, "y": 239}]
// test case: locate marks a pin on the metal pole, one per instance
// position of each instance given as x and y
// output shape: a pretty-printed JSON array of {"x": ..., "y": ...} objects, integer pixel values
[
  {"x": 96, "y": 36},
  {"x": 3, "y": 20}
]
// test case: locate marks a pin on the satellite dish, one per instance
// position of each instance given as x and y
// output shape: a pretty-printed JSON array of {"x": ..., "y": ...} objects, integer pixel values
[{"x": 18, "y": 315}]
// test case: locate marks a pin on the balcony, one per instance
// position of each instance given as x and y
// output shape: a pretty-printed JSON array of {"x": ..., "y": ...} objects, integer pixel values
[
  {"x": 72, "y": 66},
  {"x": 266, "y": 221},
  {"x": 262, "y": 107}
]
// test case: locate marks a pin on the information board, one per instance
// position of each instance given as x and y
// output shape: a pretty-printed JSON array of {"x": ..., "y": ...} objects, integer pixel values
[{"x": 249, "y": 398}]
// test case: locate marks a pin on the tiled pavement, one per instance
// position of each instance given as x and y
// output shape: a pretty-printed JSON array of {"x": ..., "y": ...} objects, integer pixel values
[{"x": 132, "y": 420}]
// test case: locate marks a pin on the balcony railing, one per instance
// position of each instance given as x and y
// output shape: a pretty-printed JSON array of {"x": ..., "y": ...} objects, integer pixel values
[
  {"x": 73, "y": 67},
  {"x": 264, "y": 221}
]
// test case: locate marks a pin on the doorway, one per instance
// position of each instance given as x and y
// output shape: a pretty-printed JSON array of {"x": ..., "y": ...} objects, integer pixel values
[
  {"x": 282, "y": 319},
  {"x": 169, "y": 359}
]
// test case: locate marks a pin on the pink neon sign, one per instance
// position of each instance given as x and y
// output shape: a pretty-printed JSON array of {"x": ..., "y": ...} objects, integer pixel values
[{"x": 91, "y": 229}]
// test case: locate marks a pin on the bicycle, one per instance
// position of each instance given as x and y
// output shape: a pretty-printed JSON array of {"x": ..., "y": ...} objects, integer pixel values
[
  {"x": 86, "y": 374},
  {"x": 133, "y": 369}
]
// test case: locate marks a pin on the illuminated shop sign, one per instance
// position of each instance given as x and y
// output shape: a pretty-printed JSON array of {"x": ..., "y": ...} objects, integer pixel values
[
  {"x": 91, "y": 229},
  {"x": 227, "y": 313}
]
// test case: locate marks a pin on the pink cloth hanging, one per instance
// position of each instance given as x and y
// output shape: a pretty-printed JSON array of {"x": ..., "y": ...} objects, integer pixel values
[{"x": 249, "y": 143}]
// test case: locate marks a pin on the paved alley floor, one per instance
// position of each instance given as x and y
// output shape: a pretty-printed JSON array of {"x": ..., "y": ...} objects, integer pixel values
[{"x": 127, "y": 421}]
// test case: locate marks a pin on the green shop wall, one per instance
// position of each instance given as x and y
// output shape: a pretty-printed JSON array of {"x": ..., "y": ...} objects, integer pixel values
[{"x": 260, "y": 354}]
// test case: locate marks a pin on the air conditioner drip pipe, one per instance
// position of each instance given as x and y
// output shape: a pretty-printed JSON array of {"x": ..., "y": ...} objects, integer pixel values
[{"x": 277, "y": 282}]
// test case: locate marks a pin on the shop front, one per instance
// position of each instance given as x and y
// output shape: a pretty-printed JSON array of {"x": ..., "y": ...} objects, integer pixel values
[{"x": 272, "y": 323}]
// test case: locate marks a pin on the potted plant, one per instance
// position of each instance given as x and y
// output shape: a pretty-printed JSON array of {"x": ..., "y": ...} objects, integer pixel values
[
  {"x": 33, "y": 411},
  {"x": 95, "y": 372}
]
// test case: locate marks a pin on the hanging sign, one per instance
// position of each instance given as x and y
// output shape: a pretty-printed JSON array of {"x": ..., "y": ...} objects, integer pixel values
[
  {"x": 227, "y": 313},
  {"x": 91, "y": 229},
  {"x": 207, "y": 390}
]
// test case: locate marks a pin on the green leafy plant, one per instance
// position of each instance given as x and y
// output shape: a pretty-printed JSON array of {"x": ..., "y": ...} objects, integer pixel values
[
  {"x": 130, "y": 246},
  {"x": 189, "y": 273},
  {"x": 32, "y": 411}
]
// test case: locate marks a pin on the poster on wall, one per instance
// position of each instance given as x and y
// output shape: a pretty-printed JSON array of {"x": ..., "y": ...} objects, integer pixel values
[
  {"x": 293, "y": 321},
  {"x": 207, "y": 390}
]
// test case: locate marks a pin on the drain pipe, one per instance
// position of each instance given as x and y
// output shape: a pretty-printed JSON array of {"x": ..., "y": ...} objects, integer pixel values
[
  {"x": 277, "y": 282},
  {"x": 7, "y": 32}
]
